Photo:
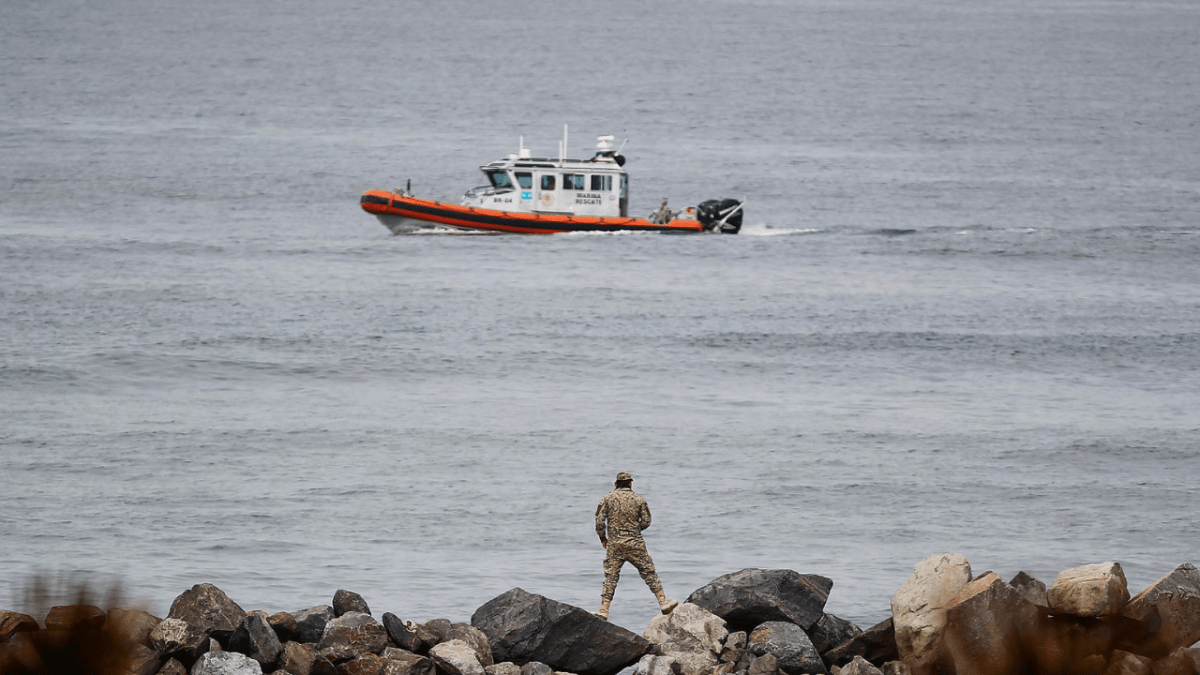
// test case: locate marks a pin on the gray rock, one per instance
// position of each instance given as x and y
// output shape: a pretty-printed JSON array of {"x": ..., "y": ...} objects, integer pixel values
[
  {"x": 505, "y": 668},
  {"x": 226, "y": 663},
  {"x": 876, "y": 644},
  {"x": 688, "y": 629},
  {"x": 440, "y": 629},
  {"x": 456, "y": 657},
  {"x": 656, "y": 665},
  {"x": 523, "y": 627},
  {"x": 403, "y": 662},
  {"x": 255, "y": 638},
  {"x": 208, "y": 608},
  {"x": 400, "y": 633},
  {"x": 348, "y": 601},
  {"x": 134, "y": 625},
  {"x": 475, "y": 638},
  {"x": 536, "y": 668},
  {"x": 66, "y": 617},
  {"x": 178, "y": 639},
  {"x": 351, "y": 635},
  {"x": 734, "y": 647},
  {"x": 1030, "y": 588},
  {"x": 790, "y": 644},
  {"x": 750, "y": 597},
  {"x": 831, "y": 631},
  {"x": 895, "y": 668},
  {"x": 311, "y": 622}
]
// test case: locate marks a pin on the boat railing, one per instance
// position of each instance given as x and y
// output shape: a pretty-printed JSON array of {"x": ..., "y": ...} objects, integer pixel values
[{"x": 486, "y": 191}]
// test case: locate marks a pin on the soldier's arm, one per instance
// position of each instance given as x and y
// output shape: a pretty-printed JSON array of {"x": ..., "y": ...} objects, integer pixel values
[
  {"x": 601, "y": 532},
  {"x": 644, "y": 515}
]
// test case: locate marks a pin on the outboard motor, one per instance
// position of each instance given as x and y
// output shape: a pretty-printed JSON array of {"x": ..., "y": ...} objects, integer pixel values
[{"x": 720, "y": 215}]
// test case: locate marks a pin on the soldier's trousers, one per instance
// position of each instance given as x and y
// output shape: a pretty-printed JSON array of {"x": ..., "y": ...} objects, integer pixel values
[{"x": 621, "y": 552}]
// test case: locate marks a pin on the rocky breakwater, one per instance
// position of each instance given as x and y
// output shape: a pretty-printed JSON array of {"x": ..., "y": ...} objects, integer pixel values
[{"x": 945, "y": 621}]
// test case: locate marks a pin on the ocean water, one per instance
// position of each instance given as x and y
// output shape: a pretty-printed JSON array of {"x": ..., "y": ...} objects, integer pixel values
[{"x": 964, "y": 312}]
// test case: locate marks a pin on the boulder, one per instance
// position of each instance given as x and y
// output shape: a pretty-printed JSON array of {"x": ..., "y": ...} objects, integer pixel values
[
  {"x": 734, "y": 647},
  {"x": 919, "y": 611},
  {"x": 474, "y": 638},
  {"x": 988, "y": 626},
  {"x": 790, "y": 644},
  {"x": 439, "y": 628},
  {"x": 1031, "y": 588},
  {"x": 656, "y": 665},
  {"x": 831, "y": 631},
  {"x": 15, "y": 622},
  {"x": 766, "y": 664},
  {"x": 536, "y": 668},
  {"x": 172, "y": 667},
  {"x": 255, "y": 638},
  {"x": 297, "y": 658},
  {"x": 750, "y": 597},
  {"x": 1170, "y": 608},
  {"x": 895, "y": 668},
  {"x": 523, "y": 627},
  {"x": 1185, "y": 661},
  {"x": 688, "y": 629},
  {"x": 456, "y": 657},
  {"x": 859, "y": 666},
  {"x": 226, "y": 663},
  {"x": 876, "y": 644},
  {"x": 349, "y": 601},
  {"x": 208, "y": 608},
  {"x": 143, "y": 660},
  {"x": 1126, "y": 663},
  {"x": 402, "y": 634},
  {"x": 367, "y": 664},
  {"x": 351, "y": 635},
  {"x": 67, "y": 617},
  {"x": 178, "y": 639},
  {"x": 403, "y": 662},
  {"x": 133, "y": 625},
  {"x": 506, "y": 668},
  {"x": 1072, "y": 646},
  {"x": 1089, "y": 591},
  {"x": 311, "y": 622},
  {"x": 284, "y": 625}
]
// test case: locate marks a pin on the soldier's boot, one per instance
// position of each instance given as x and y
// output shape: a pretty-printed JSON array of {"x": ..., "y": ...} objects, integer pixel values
[
  {"x": 664, "y": 604},
  {"x": 603, "y": 611}
]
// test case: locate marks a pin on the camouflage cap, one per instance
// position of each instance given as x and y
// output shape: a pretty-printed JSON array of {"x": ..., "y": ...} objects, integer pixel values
[{"x": 624, "y": 475}]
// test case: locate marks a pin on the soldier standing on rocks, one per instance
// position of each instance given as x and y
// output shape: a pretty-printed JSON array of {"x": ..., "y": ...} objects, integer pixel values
[{"x": 620, "y": 519}]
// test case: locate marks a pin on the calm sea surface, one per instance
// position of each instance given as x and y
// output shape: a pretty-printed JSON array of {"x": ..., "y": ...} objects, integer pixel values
[{"x": 964, "y": 313}]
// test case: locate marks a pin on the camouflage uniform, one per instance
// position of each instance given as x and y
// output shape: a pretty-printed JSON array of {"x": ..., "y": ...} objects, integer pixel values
[{"x": 620, "y": 519}]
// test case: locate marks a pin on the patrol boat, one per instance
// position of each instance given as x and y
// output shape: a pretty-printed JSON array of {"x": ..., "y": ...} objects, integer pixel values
[{"x": 539, "y": 195}]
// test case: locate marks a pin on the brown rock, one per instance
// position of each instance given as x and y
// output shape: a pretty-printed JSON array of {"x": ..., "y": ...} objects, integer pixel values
[
  {"x": 133, "y": 625},
  {"x": 348, "y": 601},
  {"x": 1064, "y": 645},
  {"x": 475, "y": 638},
  {"x": 208, "y": 608},
  {"x": 456, "y": 657},
  {"x": 172, "y": 667},
  {"x": 15, "y": 622},
  {"x": 1126, "y": 663},
  {"x": 66, "y": 617},
  {"x": 367, "y": 664},
  {"x": 1184, "y": 661},
  {"x": 876, "y": 644},
  {"x": 143, "y": 660},
  {"x": 895, "y": 668},
  {"x": 285, "y": 627},
  {"x": 859, "y": 666},
  {"x": 350, "y": 636},
  {"x": 1089, "y": 591},
  {"x": 767, "y": 664},
  {"x": 403, "y": 662},
  {"x": 1170, "y": 609},
  {"x": 297, "y": 658},
  {"x": 919, "y": 611},
  {"x": 986, "y": 628},
  {"x": 176, "y": 638}
]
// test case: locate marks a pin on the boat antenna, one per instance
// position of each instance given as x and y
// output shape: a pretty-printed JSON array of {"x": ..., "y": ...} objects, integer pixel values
[
  {"x": 562, "y": 153},
  {"x": 622, "y": 146}
]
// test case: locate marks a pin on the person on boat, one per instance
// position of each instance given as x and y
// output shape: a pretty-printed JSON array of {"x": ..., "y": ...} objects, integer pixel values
[{"x": 620, "y": 519}]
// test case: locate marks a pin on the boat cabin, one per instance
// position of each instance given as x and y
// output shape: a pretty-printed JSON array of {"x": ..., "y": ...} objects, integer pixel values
[{"x": 580, "y": 187}]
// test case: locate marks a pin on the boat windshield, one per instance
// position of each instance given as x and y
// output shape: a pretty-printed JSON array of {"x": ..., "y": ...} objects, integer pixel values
[{"x": 500, "y": 180}]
